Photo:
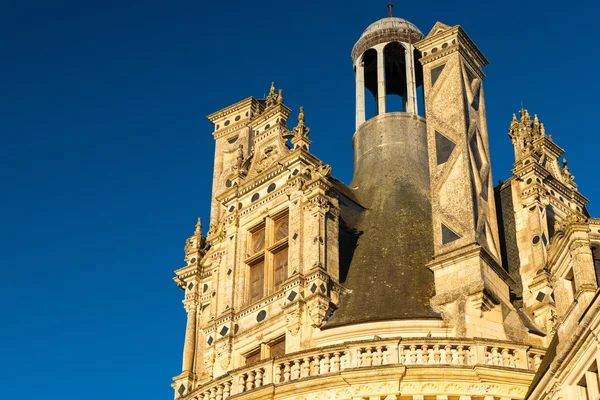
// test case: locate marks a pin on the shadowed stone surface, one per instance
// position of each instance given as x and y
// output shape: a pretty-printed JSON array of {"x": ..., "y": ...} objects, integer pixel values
[{"x": 387, "y": 275}]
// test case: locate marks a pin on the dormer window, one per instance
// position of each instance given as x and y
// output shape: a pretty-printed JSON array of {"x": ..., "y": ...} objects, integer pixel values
[{"x": 268, "y": 256}]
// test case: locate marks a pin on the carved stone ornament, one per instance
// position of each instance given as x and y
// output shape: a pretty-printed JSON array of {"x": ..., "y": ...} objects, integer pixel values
[
  {"x": 223, "y": 350},
  {"x": 266, "y": 155},
  {"x": 208, "y": 364},
  {"x": 317, "y": 308},
  {"x": 293, "y": 317},
  {"x": 319, "y": 203}
]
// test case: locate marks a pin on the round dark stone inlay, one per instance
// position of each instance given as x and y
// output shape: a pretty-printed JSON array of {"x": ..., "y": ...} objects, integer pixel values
[
  {"x": 255, "y": 197},
  {"x": 262, "y": 314},
  {"x": 536, "y": 239},
  {"x": 271, "y": 187}
]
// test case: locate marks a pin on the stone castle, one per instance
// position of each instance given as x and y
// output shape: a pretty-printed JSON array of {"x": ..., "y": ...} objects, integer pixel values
[{"x": 419, "y": 280}]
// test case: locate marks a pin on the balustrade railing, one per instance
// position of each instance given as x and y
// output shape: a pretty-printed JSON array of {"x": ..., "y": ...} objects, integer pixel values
[{"x": 333, "y": 359}]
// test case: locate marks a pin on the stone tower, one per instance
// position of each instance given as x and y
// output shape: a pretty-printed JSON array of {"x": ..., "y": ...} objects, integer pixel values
[{"x": 419, "y": 280}]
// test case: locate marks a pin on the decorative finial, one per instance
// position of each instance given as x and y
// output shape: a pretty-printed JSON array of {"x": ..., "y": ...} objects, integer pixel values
[
  {"x": 280, "y": 97},
  {"x": 301, "y": 132},
  {"x": 301, "y": 116},
  {"x": 272, "y": 97},
  {"x": 198, "y": 230},
  {"x": 390, "y": 7}
]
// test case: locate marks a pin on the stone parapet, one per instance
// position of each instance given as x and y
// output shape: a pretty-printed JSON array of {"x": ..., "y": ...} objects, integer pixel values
[{"x": 362, "y": 357}]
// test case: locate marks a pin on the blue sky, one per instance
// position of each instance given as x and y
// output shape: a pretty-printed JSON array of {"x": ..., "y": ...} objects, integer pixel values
[{"x": 106, "y": 155}]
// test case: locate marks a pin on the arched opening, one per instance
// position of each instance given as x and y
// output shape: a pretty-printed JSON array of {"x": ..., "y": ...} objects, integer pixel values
[
  {"x": 394, "y": 56},
  {"x": 419, "y": 83},
  {"x": 370, "y": 73}
]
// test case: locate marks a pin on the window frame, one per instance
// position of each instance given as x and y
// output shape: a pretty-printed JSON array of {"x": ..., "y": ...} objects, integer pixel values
[{"x": 267, "y": 255}]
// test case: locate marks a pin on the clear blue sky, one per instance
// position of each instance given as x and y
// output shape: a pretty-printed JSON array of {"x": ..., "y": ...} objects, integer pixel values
[{"x": 106, "y": 155}]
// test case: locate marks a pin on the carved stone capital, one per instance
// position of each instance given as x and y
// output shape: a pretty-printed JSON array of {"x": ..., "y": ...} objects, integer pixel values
[{"x": 191, "y": 302}]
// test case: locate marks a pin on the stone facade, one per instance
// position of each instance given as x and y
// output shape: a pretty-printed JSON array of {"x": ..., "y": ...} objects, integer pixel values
[{"x": 419, "y": 279}]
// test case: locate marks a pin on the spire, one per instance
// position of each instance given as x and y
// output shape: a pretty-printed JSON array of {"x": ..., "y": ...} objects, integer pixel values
[
  {"x": 198, "y": 231},
  {"x": 390, "y": 7},
  {"x": 195, "y": 245}
]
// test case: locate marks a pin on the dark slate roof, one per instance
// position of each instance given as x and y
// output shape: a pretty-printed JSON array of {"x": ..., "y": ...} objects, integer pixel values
[{"x": 384, "y": 247}]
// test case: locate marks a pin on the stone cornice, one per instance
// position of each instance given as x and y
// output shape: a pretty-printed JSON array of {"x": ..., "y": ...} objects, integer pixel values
[
  {"x": 270, "y": 113},
  {"x": 469, "y": 251},
  {"x": 231, "y": 109},
  {"x": 456, "y": 39},
  {"x": 521, "y": 169}
]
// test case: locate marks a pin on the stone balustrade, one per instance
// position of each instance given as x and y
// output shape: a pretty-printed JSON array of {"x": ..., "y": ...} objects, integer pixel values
[{"x": 413, "y": 352}]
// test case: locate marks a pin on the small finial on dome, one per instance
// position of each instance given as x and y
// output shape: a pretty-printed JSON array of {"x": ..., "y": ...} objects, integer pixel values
[{"x": 390, "y": 7}]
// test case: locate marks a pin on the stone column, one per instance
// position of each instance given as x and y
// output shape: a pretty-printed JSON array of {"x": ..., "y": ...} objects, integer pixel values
[
  {"x": 189, "y": 347},
  {"x": 411, "y": 89},
  {"x": 360, "y": 91},
  {"x": 380, "y": 79}
]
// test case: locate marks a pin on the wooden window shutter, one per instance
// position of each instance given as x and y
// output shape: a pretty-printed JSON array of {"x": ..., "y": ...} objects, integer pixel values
[
  {"x": 280, "y": 268},
  {"x": 281, "y": 228},
  {"x": 257, "y": 281}
]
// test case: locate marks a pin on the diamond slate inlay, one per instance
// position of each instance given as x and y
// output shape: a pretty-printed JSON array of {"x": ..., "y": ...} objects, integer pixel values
[
  {"x": 204, "y": 288},
  {"x": 181, "y": 390},
  {"x": 323, "y": 288},
  {"x": 223, "y": 331},
  {"x": 236, "y": 328},
  {"x": 435, "y": 73},
  {"x": 540, "y": 296},
  {"x": 313, "y": 288},
  {"x": 292, "y": 296},
  {"x": 190, "y": 286},
  {"x": 448, "y": 236},
  {"x": 210, "y": 340},
  {"x": 229, "y": 271},
  {"x": 443, "y": 147}
]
